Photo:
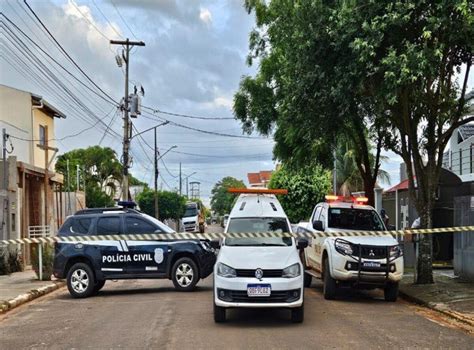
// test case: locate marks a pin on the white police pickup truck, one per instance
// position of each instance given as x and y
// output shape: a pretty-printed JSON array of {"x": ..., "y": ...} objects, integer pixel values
[
  {"x": 359, "y": 261},
  {"x": 261, "y": 272}
]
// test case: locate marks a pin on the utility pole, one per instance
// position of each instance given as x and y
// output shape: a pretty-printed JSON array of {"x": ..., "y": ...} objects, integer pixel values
[
  {"x": 77, "y": 177},
  {"x": 156, "y": 179},
  {"x": 180, "y": 180},
  {"x": 5, "y": 215},
  {"x": 68, "y": 188},
  {"x": 126, "y": 122}
]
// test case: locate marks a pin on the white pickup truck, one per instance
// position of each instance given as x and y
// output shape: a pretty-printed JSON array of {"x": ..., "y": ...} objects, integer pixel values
[{"x": 358, "y": 262}]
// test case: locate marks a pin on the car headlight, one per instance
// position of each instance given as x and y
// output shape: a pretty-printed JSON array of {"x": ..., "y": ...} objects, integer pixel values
[
  {"x": 225, "y": 271},
  {"x": 343, "y": 247},
  {"x": 292, "y": 271},
  {"x": 396, "y": 251}
]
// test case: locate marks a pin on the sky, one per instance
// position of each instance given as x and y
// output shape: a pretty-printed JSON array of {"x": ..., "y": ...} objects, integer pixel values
[{"x": 194, "y": 58}]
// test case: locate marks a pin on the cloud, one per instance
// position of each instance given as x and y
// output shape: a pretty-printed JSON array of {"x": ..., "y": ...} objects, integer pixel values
[{"x": 205, "y": 16}]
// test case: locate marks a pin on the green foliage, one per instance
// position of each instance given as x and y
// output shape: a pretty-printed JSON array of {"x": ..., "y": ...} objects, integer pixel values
[
  {"x": 10, "y": 260},
  {"x": 101, "y": 171},
  {"x": 306, "y": 187},
  {"x": 221, "y": 200},
  {"x": 170, "y": 204},
  {"x": 48, "y": 258}
]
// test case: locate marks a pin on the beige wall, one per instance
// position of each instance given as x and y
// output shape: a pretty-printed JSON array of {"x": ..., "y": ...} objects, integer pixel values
[
  {"x": 41, "y": 118},
  {"x": 15, "y": 117}
]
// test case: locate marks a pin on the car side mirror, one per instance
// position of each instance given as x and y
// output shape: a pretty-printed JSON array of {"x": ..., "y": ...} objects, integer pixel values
[
  {"x": 215, "y": 244},
  {"x": 302, "y": 243},
  {"x": 318, "y": 225}
]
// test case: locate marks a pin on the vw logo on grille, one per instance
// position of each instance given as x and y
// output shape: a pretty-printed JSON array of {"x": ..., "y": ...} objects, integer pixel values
[
  {"x": 371, "y": 253},
  {"x": 259, "y": 273}
]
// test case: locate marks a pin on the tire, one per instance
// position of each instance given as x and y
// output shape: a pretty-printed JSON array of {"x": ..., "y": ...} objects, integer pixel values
[
  {"x": 390, "y": 292},
  {"x": 329, "y": 285},
  {"x": 297, "y": 314},
  {"x": 80, "y": 280},
  {"x": 98, "y": 286},
  {"x": 307, "y": 280},
  {"x": 185, "y": 274},
  {"x": 219, "y": 314}
]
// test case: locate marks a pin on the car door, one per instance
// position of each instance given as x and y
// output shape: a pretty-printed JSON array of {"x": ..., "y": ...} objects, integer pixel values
[
  {"x": 113, "y": 258},
  {"x": 148, "y": 256},
  {"x": 313, "y": 249}
]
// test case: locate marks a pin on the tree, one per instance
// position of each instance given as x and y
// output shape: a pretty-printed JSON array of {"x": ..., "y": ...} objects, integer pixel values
[
  {"x": 221, "y": 200},
  {"x": 301, "y": 95},
  {"x": 171, "y": 204},
  {"x": 99, "y": 169},
  {"x": 306, "y": 187},
  {"x": 411, "y": 54}
]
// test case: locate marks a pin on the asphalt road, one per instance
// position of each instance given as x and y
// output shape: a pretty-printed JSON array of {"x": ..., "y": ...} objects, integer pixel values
[{"x": 150, "y": 314}]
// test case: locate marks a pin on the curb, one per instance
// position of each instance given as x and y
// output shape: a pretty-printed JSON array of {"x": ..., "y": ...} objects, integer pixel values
[
  {"x": 436, "y": 307},
  {"x": 8, "y": 305}
]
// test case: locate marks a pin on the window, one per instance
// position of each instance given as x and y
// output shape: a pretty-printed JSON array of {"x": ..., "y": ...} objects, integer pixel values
[
  {"x": 75, "y": 226},
  {"x": 258, "y": 224},
  {"x": 317, "y": 213},
  {"x": 134, "y": 225},
  {"x": 108, "y": 225},
  {"x": 354, "y": 219},
  {"x": 42, "y": 135}
]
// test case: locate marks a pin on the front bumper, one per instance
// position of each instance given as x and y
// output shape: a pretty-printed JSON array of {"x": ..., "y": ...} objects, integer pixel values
[
  {"x": 346, "y": 268},
  {"x": 236, "y": 289},
  {"x": 191, "y": 227}
]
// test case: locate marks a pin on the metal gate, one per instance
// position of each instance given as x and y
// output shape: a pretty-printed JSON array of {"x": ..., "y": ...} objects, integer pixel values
[{"x": 464, "y": 242}]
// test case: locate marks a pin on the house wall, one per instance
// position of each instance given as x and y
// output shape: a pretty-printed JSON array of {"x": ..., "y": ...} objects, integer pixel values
[
  {"x": 464, "y": 241},
  {"x": 461, "y": 158},
  {"x": 15, "y": 117},
  {"x": 41, "y": 118}
]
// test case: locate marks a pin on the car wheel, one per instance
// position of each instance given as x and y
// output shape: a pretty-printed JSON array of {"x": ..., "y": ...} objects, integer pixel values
[
  {"x": 185, "y": 274},
  {"x": 219, "y": 314},
  {"x": 391, "y": 292},
  {"x": 297, "y": 314},
  {"x": 98, "y": 286},
  {"x": 307, "y": 280},
  {"x": 329, "y": 285},
  {"x": 80, "y": 280}
]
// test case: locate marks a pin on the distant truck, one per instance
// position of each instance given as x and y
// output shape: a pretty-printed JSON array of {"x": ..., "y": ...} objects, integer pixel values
[{"x": 193, "y": 218}]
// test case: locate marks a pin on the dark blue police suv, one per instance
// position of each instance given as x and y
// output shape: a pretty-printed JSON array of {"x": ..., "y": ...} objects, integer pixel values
[{"x": 87, "y": 265}]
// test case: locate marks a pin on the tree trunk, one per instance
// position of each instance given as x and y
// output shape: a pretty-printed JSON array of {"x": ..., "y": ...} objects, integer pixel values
[{"x": 424, "y": 259}]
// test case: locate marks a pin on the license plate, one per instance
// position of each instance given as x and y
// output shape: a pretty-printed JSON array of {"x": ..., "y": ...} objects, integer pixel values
[
  {"x": 259, "y": 290},
  {"x": 370, "y": 264}
]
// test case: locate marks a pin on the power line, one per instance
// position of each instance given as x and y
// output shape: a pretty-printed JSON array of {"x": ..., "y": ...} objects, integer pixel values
[
  {"x": 106, "y": 19},
  {"x": 65, "y": 53},
  {"x": 217, "y": 156},
  {"x": 90, "y": 22},
  {"x": 186, "y": 115},
  {"x": 123, "y": 20},
  {"x": 201, "y": 130}
]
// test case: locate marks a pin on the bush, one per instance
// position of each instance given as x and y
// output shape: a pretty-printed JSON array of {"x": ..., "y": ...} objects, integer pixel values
[
  {"x": 10, "y": 261},
  {"x": 48, "y": 257}
]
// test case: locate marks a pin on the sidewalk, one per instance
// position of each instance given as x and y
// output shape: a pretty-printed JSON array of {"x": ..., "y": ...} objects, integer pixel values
[
  {"x": 449, "y": 295},
  {"x": 21, "y": 287}
]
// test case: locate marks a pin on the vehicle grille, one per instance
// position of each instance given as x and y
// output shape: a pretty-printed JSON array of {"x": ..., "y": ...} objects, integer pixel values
[
  {"x": 370, "y": 252},
  {"x": 277, "y": 296},
  {"x": 266, "y": 273}
]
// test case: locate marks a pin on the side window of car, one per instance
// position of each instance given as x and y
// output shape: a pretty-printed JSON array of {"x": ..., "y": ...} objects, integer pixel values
[
  {"x": 135, "y": 225},
  {"x": 317, "y": 213},
  {"x": 108, "y": 225},
  {"x": 322, "y": 217},
  {"x": 76, "y": 226}
]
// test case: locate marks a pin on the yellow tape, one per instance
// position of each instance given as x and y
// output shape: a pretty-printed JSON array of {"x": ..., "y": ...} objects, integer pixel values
[{"x": 301, "y": 233}]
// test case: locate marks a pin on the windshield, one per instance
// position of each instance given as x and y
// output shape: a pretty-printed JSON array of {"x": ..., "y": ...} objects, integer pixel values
[
  {"x": 354, "y": 219},
  {"x": 278, "y": 225},
  {"x": 190, "y": 212}
]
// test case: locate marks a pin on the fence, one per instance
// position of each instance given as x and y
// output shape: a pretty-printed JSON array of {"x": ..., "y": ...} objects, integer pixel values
[{"x": 35, "y": 232}]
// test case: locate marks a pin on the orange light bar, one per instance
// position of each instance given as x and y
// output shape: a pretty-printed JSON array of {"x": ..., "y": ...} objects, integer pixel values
[
  {"x": 257, "y": 190},
  {"x": 361, "y": 199},
  {"x": 331, "y": 197}
]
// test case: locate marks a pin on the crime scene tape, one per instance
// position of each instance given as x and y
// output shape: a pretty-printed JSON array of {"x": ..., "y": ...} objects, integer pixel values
[{"x": 301, "y": 233}]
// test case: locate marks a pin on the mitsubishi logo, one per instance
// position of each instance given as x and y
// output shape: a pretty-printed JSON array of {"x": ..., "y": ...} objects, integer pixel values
[
  {"x": 371, "y": 253},
  {"x": 259, "y": 274}
]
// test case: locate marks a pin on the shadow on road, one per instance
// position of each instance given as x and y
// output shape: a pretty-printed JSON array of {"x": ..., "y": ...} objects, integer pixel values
[
  {"x": 267, "y": 318},
  {"x": 353, "y": 295}
]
